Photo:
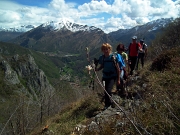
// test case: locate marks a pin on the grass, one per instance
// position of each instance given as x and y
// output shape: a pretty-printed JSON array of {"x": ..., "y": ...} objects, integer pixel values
[
  {"x": 161, "y": 112},
  {"x": 157, "y": 114},
  {"x": 71, "y": 115}
]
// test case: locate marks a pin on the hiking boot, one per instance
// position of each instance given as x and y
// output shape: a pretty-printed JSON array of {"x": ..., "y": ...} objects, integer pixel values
[
  {"x": 113, "y": 105},
  {"x": 131, "y": 73},
  {"x": 114, "y": 91},
  {"x": 106, "y": 107},
  {"x": 123, "y": 93}
]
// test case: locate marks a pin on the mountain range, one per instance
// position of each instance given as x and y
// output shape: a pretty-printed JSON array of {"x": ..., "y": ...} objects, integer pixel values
[
  {"x": 47, "y": 38},
  {"x": 43, "y": 69},
  {"x": 73, "y": 38},
  {"x": 65, "y": 42}
]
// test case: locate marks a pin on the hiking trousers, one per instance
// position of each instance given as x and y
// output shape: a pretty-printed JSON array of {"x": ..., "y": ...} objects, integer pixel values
[
  {"x": 140, "y": 57},
  {"x": 132, "y": 65},
  {"x": 109, "y": 82},
  {"x": 118, "y": 87}
]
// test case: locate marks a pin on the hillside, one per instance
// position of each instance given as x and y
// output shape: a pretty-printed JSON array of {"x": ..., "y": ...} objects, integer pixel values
[
  {"x": 41, "y": 89},
  {"x": 9, "y": 50},
  {"x": 152, "y": 106},
  {"x": 32, "y": 88},
  {"x": 65, "y": 42},
  {"x": 6, "y": 36},
  {"x": 153, "y": 110}
]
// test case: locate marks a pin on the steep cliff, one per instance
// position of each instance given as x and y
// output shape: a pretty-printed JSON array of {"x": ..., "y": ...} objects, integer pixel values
[{"x": 23, "y": 71}]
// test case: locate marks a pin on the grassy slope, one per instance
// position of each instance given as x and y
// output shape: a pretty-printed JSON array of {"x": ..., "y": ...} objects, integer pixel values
[
  {"x": 160, "y": 112},
  {"x": 160, "y": 107},
  {"x": 72, "y": 114}
]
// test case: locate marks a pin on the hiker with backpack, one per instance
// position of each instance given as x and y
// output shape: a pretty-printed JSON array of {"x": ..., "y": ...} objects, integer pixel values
[
  {"x": 142, "y": 54},
  {"x": 134, "y": 48},
  {"x": 111, "y": 71},
  {"x": 121, "y": 50},
  {"x": 122, "y": 65}
]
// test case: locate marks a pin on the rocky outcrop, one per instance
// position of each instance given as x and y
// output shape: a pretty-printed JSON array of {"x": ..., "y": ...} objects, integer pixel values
[
  {"x": 10, "y": 75},
  {"x": 23, "y": 70}
]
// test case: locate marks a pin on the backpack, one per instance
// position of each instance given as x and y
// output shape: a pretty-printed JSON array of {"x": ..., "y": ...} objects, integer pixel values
[
  {"x": 144, "y": 46},
  {"x": 114, "y": 58}
]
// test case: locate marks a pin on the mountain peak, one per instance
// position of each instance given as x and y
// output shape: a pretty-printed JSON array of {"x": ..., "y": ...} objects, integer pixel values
[
  {"x": 22, "y": 28},
  {"x": 68, "y": 25}
]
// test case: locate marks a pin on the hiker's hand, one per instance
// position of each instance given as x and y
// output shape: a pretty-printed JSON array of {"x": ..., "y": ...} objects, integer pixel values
[
  {"x": 118, "y": 82},
  {"x": 96, "y": 69},
  {"x": 125, "y": 75}
]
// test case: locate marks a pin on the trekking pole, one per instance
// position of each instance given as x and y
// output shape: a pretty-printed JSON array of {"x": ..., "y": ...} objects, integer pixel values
[
  {"x": 95, "y": 63},
  {"x": 128, "y": 65}
]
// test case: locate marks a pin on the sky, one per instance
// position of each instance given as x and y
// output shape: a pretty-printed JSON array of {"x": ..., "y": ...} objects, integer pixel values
[{"x": 108, "y": 15}]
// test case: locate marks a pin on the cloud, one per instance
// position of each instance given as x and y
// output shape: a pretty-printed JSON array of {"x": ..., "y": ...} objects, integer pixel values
[
  {"x": 13, "y": 17},
  {"x": 107, "y": 15},
  {"x": 95, "y": 7},
  {"x": 13, "y": 14}
]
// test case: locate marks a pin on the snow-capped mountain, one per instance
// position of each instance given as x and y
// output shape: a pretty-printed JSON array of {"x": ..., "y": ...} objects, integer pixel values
[
  {"x": 11, "y": 33},
  {"x": 64, "y": 34},
  {"x": 154, "y": 25},
  {"x": 68, "y": 25},
  {"x": 22, "y": 28},
  {"x": 150, "y": 26},
  {"x": 55, "y": 26},
  {"x": 160, "y": 23},
  {"x": 147, "y": 31}
]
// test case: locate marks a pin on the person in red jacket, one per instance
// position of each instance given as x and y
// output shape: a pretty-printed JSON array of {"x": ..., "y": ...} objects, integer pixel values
[{"x": 134, "y": 47}]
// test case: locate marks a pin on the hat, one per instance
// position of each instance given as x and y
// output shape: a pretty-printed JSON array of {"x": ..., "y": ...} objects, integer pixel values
[
  {"x": 142, "y": 40},
  {"x": 134, "y": 37}
]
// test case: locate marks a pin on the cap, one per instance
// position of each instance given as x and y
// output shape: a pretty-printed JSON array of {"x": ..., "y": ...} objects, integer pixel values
[
  {"x": 134, "y": 37},
  {"x": 142, "y": 40}
]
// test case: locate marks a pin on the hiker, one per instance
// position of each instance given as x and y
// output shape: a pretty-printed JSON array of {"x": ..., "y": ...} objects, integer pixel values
[
  {"x": 111, "y": 72},
  {"x": 122, "y": 65},
  {"x": 121, "y": 50},
  {"x": 134, "y": 47},
  {"x": 142, "y": 54}
]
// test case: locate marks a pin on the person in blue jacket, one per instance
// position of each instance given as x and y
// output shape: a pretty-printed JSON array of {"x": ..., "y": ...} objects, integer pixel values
[{"x": 123, "y": 75}]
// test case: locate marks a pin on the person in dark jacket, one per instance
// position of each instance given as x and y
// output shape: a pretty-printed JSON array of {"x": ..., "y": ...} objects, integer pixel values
[
  {"x": 111, "y": 72},
  {"x": 142, "y": 54}
]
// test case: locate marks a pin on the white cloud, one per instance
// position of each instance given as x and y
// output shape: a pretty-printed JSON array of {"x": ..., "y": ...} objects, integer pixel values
[
  {"x": 94, "y": 8},
  {"x": 120, "y": 6},
  {"x": 109, "y": 16},
  {"x": 13, "y": 16}
]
